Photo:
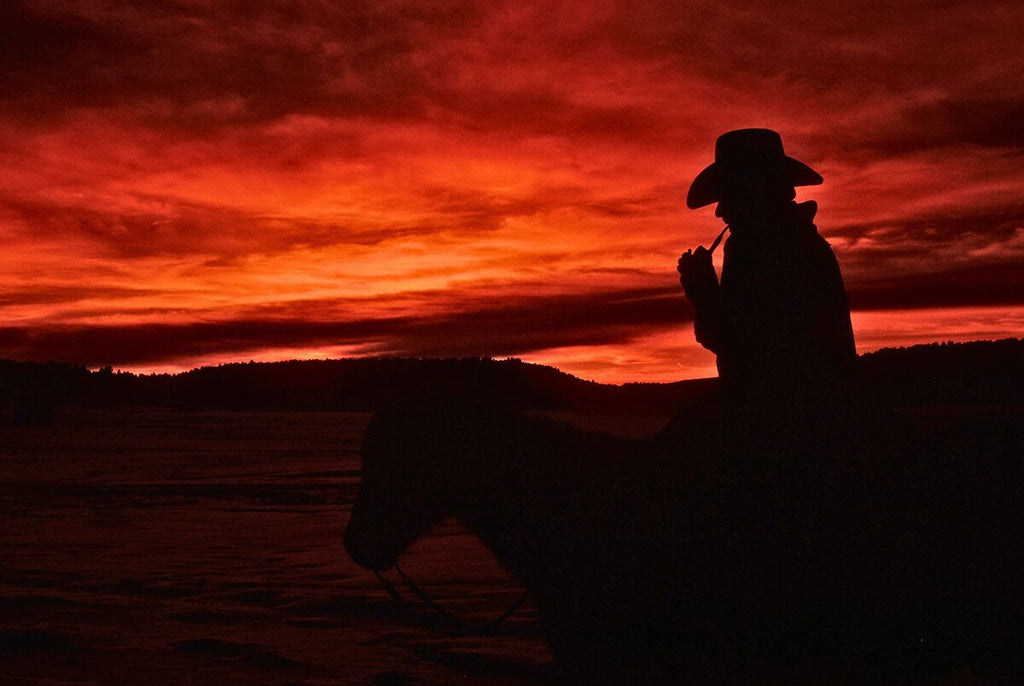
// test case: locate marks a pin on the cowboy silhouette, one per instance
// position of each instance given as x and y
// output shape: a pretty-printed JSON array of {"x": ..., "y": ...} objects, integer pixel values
[{"x": 779, "y": 320}]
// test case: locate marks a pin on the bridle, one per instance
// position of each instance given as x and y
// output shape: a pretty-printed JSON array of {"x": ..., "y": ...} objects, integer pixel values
[{"x": 457, "y": 625}]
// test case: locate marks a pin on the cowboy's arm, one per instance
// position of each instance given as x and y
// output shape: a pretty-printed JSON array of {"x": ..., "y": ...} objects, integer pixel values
[{"x": 700, "y": 285}]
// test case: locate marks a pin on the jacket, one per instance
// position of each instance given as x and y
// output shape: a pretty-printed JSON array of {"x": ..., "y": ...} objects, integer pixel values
[{"x": 779, "y": 320}]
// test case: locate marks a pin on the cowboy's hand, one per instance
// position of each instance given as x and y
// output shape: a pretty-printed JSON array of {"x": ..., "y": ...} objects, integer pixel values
[{"x": 697, "y": 274}]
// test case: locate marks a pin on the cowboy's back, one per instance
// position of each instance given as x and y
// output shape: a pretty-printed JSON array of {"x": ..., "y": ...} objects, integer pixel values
[
  {"x": 779, "y": 321},
  {"x": 784, "y": 322}
]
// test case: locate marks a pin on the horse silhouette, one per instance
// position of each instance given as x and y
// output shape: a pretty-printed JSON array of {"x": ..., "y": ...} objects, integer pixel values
[{"x": 897, "y": 565}]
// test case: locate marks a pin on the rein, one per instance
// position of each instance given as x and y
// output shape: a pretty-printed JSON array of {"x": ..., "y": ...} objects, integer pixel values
[{"x": 459, "y": 626}]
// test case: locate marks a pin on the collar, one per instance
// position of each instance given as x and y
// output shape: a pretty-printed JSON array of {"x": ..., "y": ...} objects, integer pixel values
[{"x": 792, "y": 219}]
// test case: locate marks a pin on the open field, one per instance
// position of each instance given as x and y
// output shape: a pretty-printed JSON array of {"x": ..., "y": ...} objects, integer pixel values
[
  {"x": 156, "y": 547},
  {"x": 165, "y": 547}
]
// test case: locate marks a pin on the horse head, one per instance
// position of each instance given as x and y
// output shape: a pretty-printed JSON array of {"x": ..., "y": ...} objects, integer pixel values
[{"x": 403, "y": 487}]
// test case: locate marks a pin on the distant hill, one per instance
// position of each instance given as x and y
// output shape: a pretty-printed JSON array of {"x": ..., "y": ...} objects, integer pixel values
[
  {"x": 982, "y": 372},
  {"x": 971, "y": 373}
]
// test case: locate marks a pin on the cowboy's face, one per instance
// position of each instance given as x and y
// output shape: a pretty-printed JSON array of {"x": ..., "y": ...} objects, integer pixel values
[
  {"x": 739, "y": 205},
  {"x": 752, "y": 200}
]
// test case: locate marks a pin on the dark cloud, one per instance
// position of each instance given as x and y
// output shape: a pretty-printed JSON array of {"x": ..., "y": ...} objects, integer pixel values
[
  {"x": 41, "y": 294},
  {"x": 533, "y": 324},
  {"x": 54, "y": 58},
  {"x": 168, "y": 229},
  {"x": 990, "y": 122},
  {"x": 1000, "y": 284},
  {"x": 146, "y": 343},
  {"x": 346, "y": 59},
  {"x": 835, "y": 45},
  {"x": 172, "y": 227},
  {"x": 973, "y": 256},
  {"x": 197, "y": 68},
  {"x": 959, "y": 121},
  {"x": 516, "y": 327},
  {"x": 540, "y": 111},
  {"x": 981, "y": 226}
]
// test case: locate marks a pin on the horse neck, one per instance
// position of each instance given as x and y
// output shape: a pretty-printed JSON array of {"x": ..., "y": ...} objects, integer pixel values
[
  {"x": 486, "y": 499},
  {"x": 502, "y": 507}
]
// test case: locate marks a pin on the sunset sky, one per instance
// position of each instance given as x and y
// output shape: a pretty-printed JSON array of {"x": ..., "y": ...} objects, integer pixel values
[{"x": 192, "y": 182}]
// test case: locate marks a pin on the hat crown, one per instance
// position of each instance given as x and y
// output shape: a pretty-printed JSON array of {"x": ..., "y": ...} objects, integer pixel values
[
  {"x": 747, "y": 157},
  {"x": 746, "y": 148}
]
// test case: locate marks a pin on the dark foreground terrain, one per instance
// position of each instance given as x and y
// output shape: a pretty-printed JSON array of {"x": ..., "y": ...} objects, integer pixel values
[
  {"x": 155, "y": 547},
  {"x": 202, "y": 544},
  {"x": 165, "y": 547}
]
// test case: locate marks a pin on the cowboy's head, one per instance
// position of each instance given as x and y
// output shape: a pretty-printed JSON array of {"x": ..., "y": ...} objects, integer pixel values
[{"x": 751, "y": 177}]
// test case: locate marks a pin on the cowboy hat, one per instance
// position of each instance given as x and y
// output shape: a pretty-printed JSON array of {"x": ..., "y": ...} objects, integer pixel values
[{"x": 741, "y": 156}]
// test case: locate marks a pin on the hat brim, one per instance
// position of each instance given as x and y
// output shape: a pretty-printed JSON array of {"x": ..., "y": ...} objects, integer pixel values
[{"x": 707, "y": 187}]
